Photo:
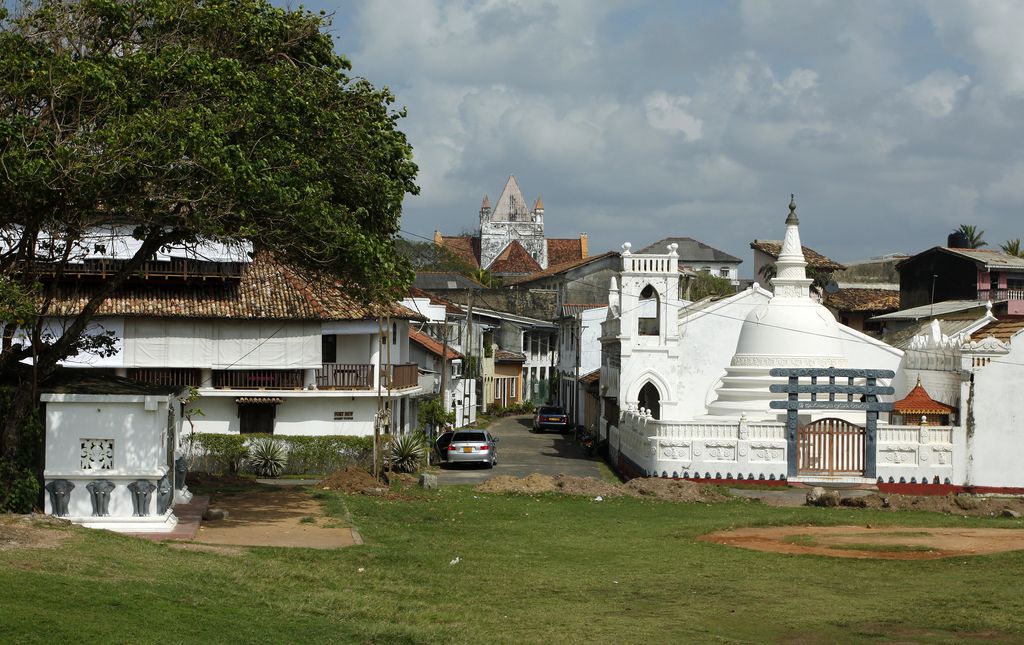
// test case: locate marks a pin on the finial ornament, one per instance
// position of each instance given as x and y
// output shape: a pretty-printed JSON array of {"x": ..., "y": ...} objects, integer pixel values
[{"x": 792, "y": 219}]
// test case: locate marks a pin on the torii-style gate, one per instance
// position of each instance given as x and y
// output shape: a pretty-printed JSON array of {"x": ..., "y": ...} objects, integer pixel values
[{"x": 818, "y": 452}]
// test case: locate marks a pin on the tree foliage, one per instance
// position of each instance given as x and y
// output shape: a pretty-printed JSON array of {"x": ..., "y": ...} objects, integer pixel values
[
  {"x": 975, "y": 236},
  {"x": 704, "y": 284},
  {"x": 1013, "y": 247},
  {"x": 186, "y": 120}
]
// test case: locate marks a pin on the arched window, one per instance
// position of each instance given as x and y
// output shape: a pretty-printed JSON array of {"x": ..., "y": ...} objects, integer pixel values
[
  {"x": 650, "y": 399},
  {"x": 650, "y": 312}
]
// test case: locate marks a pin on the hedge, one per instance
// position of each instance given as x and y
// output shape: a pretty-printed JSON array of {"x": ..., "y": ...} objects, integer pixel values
[{"x": 219, "y": 453}]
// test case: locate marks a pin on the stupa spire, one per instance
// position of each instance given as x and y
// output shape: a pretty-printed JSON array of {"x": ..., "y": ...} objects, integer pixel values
[{"x": 790, "y": 269}]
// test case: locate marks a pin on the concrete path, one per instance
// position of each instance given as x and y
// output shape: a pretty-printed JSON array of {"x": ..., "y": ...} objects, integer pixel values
[{"x": 522, "y": 453}]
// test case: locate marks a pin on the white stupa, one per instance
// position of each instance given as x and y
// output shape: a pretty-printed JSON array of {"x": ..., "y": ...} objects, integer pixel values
[{"x": 792, "y": 330}]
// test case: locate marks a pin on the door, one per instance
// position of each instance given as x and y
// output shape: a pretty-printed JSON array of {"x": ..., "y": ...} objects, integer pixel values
[
  {"x": 830, "y": 447},
  {"x": 256, "y": 418}
]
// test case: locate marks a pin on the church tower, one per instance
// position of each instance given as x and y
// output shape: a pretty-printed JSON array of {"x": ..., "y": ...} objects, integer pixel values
[{"x": 510, "y": 221}]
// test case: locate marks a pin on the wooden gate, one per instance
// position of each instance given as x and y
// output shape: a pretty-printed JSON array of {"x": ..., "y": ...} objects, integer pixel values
[{"x": 830, "y": 447}]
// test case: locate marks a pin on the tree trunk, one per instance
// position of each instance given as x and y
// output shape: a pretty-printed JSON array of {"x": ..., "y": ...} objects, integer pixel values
[{"x": 17, "y": 413}]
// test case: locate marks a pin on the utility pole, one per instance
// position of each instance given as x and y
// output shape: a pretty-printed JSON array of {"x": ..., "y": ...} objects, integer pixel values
[
  {"x": 469, "y": 356},
  {"x": 391, "y": 377},
  {"x": 380, "y": 404}
]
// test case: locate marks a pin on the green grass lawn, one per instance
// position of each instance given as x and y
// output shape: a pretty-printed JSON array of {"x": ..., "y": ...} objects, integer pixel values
[{"x": 543, "y": 569}]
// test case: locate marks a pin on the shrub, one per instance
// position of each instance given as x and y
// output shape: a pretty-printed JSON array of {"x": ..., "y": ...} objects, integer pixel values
[
  {"x": 267, "y": 457},
  {"x": 407, "y": 452},
  {"x": 217, "y": 453},
  {"x": 19, "y": 488}
]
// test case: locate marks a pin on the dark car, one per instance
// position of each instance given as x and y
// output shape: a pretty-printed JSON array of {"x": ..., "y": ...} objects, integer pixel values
[{"x": 550, "y": 417}]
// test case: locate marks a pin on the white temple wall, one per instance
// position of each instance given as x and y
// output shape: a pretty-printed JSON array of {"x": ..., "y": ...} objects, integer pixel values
[
  {"x": 997, "y": 447},
  {"x": 117, "y": 438},
  {"x": 708, "y": 341}
]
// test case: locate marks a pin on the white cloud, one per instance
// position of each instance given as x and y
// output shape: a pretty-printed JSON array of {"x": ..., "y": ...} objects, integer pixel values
[
  {"x": 937, "y": 93},
  {"x": 669, "y": 113}
]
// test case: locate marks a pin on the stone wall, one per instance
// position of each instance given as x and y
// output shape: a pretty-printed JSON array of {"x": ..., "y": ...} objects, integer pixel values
[{"x": 541, "y": 304}]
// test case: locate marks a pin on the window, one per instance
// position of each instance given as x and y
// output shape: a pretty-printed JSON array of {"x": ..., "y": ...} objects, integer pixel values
[
  {"x": 723, "y": 272},
  {"x": 706, "y": 269},
  {"x": 343, "y": 415},
  {"x": 512, "y": 388},
  {"x": 329, "y": 348},
  {"x": 650, "y": 312},
  {"x": 256, "y": 418},
  {"x": 650, "y": 399},
  {"x": 394, "y": 333}
]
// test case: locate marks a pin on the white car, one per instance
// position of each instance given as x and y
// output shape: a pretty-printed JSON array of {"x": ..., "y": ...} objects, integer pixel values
[{"x": 476, "y": 446}]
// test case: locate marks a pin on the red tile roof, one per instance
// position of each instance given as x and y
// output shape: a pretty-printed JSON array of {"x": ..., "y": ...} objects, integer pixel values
[
  {"x": 591, "y": 377},
  {"x": 505, "y": 356},
  {"x": 465, "y": 247},
  {"x": 554, "y": 269},
  {"x": 561, "y": 251},
  {"x": 864, "y": 299},
  {"x": 514, "y": 259},
  {"x": 1001, "y": 329},
  {"x": 814, "y": 259},
  {"x": 918, "y": 402},
  {"x": 267, "y": 290},
  {"x": 431, "y": 345}
]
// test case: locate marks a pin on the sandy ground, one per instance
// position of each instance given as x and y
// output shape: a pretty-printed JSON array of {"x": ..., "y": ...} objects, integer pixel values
[
  {"x": 274, "y": 518},
  {"x": 883, "y": 542},
  {"x": 32, "y": 532}
]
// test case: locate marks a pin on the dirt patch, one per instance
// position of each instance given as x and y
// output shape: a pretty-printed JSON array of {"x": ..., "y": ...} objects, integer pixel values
[
  {"x": 206, "y": 481},
  {"x": 355, "y": 481},
  {"x": 669, "y": 489},
  {"x": 33, "y": 532},
  {"x": 884, "y": 542},
  {"x": 954, "y": 504},
  {"x": 287, "y": 517},
  {"x": 401, "y": 479},
  {"x": 676, "y": 490},
  {"x": 208, "y": 548}
]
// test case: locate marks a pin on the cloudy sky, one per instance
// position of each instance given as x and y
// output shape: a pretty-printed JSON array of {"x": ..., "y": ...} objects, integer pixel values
[{"x": 893, "y": 122}]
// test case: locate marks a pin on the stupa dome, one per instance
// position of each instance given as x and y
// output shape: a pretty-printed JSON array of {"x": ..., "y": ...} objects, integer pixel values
[{"x": 792, "y": 330}]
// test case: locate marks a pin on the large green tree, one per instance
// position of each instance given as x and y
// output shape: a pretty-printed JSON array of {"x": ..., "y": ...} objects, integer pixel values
[{"x": 183, "y": 120}]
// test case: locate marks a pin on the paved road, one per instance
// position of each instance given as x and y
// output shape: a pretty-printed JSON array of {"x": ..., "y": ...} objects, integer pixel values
[{"x": 521, "y": 453}]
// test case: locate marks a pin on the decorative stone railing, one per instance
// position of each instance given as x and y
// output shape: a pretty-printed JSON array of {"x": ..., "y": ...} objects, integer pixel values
[
  {"x": 650, "y": 263},
  {"x": 921, "y": 454}
]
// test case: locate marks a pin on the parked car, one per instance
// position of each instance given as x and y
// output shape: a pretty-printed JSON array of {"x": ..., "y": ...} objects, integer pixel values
[
  {"x": 441, "y": 444},
  {"x": 477, "y": 446},
  {"x": 550, "y": 417}
]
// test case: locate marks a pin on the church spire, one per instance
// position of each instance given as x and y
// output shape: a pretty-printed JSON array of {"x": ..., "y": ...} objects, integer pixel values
[{"x": 790, "y": 269}]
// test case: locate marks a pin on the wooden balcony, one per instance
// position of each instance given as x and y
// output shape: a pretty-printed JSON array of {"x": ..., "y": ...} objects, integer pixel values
[
  {"x": 178, "y": 377},
  {"x": 404, "y": 376},
  {"x": 258, "y": 379},
  {"x": 359, "y": 376},
  {"x": 345, "y": 376}
]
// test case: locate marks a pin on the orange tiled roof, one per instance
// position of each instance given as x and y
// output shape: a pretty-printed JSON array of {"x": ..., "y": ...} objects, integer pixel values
[
  {"x": 591, "y": 377},
  {"x": 466, "y": 247},
  {"x": 864, "y": 299},
  {"x": 1001, "y": 329},
  {"x": 505, "y": 356},
  {"x": 514, "y": 259},
  {"x": 562, "y": 250},
  {"x": 267, "y": 289},
  {"x": 918, "y": 402},
  {"x": 554, "y": 269},
  {"x": 814, "y": 259},
  {"x": 431, "y": 345}
]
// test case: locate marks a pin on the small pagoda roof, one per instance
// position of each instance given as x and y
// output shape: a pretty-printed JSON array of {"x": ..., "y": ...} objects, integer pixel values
[{"x": 919, "y": 402}]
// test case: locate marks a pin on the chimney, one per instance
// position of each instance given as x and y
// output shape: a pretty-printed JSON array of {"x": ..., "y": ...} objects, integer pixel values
[
  {"x": 584, "y": 251},
  {"x": 437, "y": 237}
]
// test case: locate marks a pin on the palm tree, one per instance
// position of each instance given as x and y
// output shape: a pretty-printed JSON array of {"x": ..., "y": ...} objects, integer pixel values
[
  {"x": 1012, "y": 247},
  {"x": 975, "y": 237}
]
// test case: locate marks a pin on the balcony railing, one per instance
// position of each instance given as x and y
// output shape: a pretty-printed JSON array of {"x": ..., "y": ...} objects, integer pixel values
[
  {"x": 403, "y": 376},
  {"x": 1000, "y": 294},
  {"x": 345, "y": 376},
  {"x": 258, "y": 379},
  {"x": 359, "y": 376},
  {"x": 176, "y": 377}
]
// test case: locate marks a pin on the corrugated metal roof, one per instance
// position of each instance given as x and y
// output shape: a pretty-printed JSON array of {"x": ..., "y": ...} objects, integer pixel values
[
  {"x": 931, "y": 311},
  {"x": 690, "y": 250},
  {"x": 990, "y": 258},
  {"x": 569, "y": 311}
]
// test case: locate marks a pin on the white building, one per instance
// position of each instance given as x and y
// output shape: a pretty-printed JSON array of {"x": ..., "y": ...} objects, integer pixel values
[
  {"x": 686, "y": 387},
  {"x": 268, "y": 349},
  {"x": 579, "y": 354}
]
